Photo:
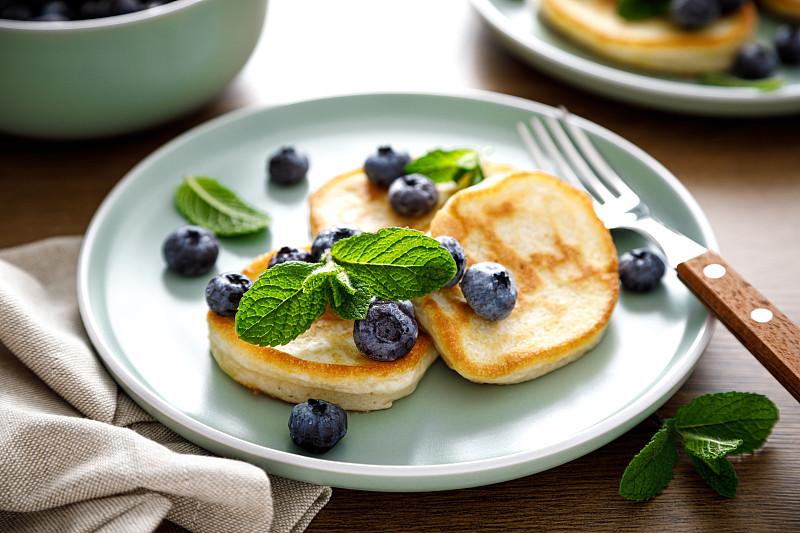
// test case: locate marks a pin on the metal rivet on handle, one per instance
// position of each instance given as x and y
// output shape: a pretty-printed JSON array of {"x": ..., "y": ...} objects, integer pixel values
[
  {"x": 761, "y": 315},
  {"x": 714, "y": 271}
]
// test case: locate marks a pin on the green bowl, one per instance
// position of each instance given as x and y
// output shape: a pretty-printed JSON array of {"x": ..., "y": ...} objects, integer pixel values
[{"x": 102, "y": 77}]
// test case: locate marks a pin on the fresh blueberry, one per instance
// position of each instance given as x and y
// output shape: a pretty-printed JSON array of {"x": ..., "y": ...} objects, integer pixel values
[
  {"x": 413, "y": 195},
  {"x": 459, "y": 256},
  {"x": 191, "y": 250},
  {"x": 640, "y": 270},
  {"x": 288, "y": 253},
  {"x": 754, "y": 61},
  {"x": 693, "y": 14},
  {"x": 326, "y": 238},
  {"x": 225, "y": 291},
  {"x": 787, "y": 44},
  {"x": 288, "y": 166},
  {"x": 726, "y": 7},
  {"x": 385, "y": 165},
  {"x": 490, "y": 290},
  {"x": 387, "y": 333},
  {"x": 405, "y": 305},
  {"x": 317, "y": 425}
]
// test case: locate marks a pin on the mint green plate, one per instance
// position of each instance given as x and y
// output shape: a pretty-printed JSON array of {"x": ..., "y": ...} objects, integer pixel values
[
  {"x": 516, "y": 25},
  {"x": 148, "y": 324}
]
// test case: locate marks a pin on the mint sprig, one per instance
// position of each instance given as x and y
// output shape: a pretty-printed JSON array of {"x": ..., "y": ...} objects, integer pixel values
[
  {"x": 393, "y": 264},
  {"x": 641, "y": 9},
  {"x": 456, "y": 165},
  {"x": 710, "y": 428},
  {"x": 729, "y": 80},
  {"x": 205, "y": 202}
]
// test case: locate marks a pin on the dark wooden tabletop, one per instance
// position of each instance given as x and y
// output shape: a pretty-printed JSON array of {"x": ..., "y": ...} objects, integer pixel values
[{"x": 745, "y": 174}]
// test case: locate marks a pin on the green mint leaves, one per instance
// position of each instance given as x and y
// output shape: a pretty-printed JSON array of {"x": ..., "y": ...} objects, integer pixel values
[
  {"x": 442, "y": 166},
  {"x": 728, "y": 80},
  {"x": 710, "y": 428},
  {"x": 393, "y": 264},
  {"x": 641, "y": 9},
  {"x": 204, "y": 202}
]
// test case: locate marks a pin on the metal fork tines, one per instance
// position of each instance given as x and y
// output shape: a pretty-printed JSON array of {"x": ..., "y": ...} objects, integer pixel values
[{"x": 574, "y": 158}]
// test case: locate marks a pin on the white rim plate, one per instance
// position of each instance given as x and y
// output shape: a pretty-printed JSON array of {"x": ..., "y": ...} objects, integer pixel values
[
  {"x": 148, "y": 325},
  {"x": 517, "y": 27}
]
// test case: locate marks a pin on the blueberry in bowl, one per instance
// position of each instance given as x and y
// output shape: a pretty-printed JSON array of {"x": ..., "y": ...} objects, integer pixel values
[{"x": 112, "y": 75}]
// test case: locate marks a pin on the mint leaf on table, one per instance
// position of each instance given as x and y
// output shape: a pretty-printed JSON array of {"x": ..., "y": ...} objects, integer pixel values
[
  {"x": 442, "y": 166},
  {"x": 640, "y": 9},
  {"x": 729, "y": 416},
  {"x": 204, "y": 202},
  {"x": 710, "y": 428},
  {"x": 718, "y": 473},
  {"x": 652, "y": 468},
  {"x": 278, "y": 308},
  {"x": 396, "y": 263}
]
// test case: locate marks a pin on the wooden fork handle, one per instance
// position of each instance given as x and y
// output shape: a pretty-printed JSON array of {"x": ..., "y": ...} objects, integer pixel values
[{"x": 759, "y": 325}]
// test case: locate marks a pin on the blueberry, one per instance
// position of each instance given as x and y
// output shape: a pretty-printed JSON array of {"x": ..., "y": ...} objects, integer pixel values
[
  {"x": 413, "y": 195},
  {"x": 405, "y": 305},
  {"x": 754, "y": 61},
  {"x": 191, "y": 250},
  {"x": 693, "y": 14},
  {"x": 288, "y": 166},
  {"x": 289, "y": 254},
  {"x": 726, "y": 7},
  {"x": 459, "y": 256},
  {"x": 385, "y": 165},
  {"x": 490, "y": 290},
  {"x": 326, "y": 238},
  {"x": 225, "y": 291},
  {"x": 317, "y": 425},
  {"x": 787, "y": 44},
  {"x": 387, "y": 333},
  {"x": 640, "y": 270}
]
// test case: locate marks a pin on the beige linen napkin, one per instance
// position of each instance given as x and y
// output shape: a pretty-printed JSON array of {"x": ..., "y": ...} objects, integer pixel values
[{"x": 78, "y": 455}]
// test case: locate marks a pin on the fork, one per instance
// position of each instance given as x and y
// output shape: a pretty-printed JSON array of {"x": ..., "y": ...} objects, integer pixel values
[{"x": 761, "y": 327}]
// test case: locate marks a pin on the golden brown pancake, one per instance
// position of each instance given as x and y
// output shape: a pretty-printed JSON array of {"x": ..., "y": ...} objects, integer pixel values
[
  {"x": 352, "y": 199},
  {"x": 655, "y": 43},
  {"x": 563, "y": 261},
  {"x": 322, "y": 363}
]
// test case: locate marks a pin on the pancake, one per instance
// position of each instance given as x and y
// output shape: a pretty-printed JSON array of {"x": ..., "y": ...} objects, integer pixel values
[
  {"x": 563, "y": 261},
  {"x": 322, "y": 363},
  {"x": 351, "y": 198},
  {"x": 787, "y": 9},
  {"x": 654, "y": 43}
]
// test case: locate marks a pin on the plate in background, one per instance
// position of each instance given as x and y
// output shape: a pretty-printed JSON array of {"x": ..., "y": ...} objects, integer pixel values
[
  {"x": 149, "y": 327},
  {"x": 520, "y": 30}
]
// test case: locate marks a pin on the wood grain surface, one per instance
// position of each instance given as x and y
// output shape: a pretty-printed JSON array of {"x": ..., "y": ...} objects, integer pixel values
[{"x": 744, "y": 173}]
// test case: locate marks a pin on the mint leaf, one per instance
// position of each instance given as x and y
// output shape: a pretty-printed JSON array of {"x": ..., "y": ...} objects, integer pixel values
[
  {"x": 349, "y": 305},
  {"x": 278, "y": 307},
  {"x": 652, "y": 468},
  {"x": 204, "y": 202},
  {"x": 728, "y": 80},
  {"x": 442, "y": 166},
  {"x": 718, "y": 473},
  {"x": 396, "y": 263},
  {"x": 707, "y": 447},
  {"x": 727, "y": 417},
  {"x": 640, "y": 9}
]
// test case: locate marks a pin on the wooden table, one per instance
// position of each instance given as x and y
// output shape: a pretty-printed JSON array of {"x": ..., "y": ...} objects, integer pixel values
[{"x": 745, "y": 173}]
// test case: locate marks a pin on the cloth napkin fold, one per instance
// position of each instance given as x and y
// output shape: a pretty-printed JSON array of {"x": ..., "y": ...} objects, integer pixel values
[{"x": 78, "y": 455}]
